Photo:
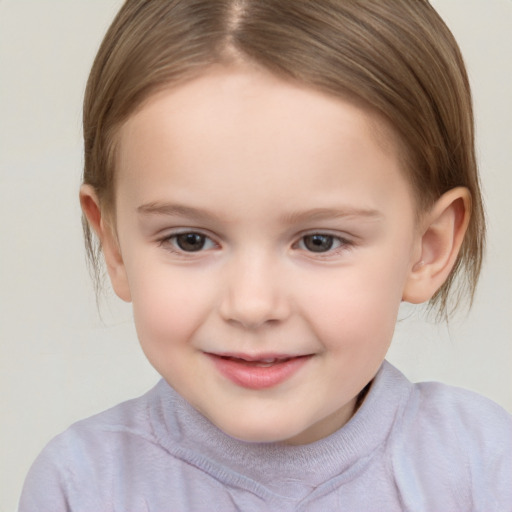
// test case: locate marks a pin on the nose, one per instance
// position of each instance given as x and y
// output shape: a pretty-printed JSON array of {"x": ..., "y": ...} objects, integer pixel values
[{"x": 254, "y": 293}]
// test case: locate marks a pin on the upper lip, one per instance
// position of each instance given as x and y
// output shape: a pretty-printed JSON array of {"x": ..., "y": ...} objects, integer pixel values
[{"x": 266, "y": 356}]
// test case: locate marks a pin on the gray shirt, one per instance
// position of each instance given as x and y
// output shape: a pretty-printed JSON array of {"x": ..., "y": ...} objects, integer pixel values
[{"x": 416, "y": 447}]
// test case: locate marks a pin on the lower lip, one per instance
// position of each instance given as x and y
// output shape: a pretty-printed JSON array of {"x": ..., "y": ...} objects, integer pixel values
[{"x": 258, "y": 377}]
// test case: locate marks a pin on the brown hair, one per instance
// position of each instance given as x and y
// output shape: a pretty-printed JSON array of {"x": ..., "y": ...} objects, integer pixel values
[{"x": 396, "y": 56}]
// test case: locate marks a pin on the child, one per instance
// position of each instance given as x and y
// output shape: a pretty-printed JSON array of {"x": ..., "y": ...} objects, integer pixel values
[{"x": 268, "y": 181}]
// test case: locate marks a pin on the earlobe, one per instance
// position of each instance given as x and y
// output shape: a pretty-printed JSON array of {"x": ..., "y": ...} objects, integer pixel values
[
  {"x": 108, "y": 240},
  {"x": 442, "y": 231}
]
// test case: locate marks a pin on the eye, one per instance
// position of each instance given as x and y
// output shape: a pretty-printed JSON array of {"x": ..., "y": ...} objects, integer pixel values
[
  {"x": 318, "y": 243},
  {"x": 189, "y": 242},
  {"x": 321, "y": 243}
]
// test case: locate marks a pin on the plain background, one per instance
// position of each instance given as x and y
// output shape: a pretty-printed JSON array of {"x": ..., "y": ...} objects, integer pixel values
[{"x": 59, "y": 360}]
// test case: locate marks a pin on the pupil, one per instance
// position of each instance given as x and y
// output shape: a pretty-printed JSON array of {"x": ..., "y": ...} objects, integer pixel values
[
  {"x": 318, "y": 243},
  {"x": 190, "y": 242}
]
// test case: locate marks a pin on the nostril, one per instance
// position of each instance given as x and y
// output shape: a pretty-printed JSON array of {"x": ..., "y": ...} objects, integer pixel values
[
  {"x": 253, "y": 296},
  {"x": 252, "y": 324}
]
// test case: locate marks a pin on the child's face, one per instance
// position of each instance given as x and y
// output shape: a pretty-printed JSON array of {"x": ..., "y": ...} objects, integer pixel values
[{"x": 261, "y": 220}]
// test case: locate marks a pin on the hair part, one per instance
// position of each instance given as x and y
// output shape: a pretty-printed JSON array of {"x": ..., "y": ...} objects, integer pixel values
[{"x": 396, "y": 56}]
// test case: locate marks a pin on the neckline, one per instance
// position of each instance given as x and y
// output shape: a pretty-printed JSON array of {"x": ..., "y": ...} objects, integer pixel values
[{"x": 278, "y": 468}]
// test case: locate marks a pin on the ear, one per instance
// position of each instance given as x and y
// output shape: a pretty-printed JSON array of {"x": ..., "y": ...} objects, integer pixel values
[
  {"x": 440, "y": 237},
  {"x": 108, "y": 240}
]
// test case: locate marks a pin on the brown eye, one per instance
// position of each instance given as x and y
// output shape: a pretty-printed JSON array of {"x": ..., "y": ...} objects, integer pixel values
[
  {"x": 190, "y": 242},
  {"x": 318, "y": 243}
]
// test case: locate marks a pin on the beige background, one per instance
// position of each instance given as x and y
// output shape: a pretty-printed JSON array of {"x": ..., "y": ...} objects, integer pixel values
[{"x": 59, "y": 362}]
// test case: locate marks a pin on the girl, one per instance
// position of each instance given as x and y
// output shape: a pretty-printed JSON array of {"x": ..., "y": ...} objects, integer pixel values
[{"x": 268, "y": 181}]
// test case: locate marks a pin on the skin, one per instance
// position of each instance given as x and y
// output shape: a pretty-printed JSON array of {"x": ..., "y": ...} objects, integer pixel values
[{"x": 257, "y": 165}]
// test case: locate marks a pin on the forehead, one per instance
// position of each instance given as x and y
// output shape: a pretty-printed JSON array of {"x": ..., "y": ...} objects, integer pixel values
[
  {"x": 240, "y": 88},
  {"x": 236, "y": 122}
]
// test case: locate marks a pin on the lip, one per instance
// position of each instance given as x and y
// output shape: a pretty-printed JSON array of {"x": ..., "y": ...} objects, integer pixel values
[{"x": 258, "y": 371}]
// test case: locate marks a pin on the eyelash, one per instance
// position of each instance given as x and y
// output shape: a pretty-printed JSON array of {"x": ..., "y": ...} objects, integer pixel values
[
  {"x": 170, "y": 242},
  {"x": 337, "y": 244},
  {"x": 341, "y": 244}
]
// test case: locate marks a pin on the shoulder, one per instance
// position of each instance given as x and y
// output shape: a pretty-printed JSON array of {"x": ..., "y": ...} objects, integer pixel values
[
  {"x": 104, "y": 433},
  {"x": 89, "y": 451},
  {"x": 454, "y": 415},
  {"x": 458, "y": 441}
]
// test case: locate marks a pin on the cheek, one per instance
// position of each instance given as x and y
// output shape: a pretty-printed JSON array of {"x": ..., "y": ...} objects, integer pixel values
[
  {"x": 168, "y": 306},
  {"x": 357, "y": 309}
]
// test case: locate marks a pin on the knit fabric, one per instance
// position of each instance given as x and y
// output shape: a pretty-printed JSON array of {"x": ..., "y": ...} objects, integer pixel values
[{"x": 416, "y": 447}]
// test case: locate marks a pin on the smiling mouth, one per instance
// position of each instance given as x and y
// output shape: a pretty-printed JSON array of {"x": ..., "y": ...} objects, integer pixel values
[
  {"x": 258, "y": 372},
  {"x": 260, "y": 363}
]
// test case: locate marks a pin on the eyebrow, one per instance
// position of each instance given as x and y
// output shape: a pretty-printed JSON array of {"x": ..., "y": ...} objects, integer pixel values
[
  {"x": 175, "y": 210},
  {"x": 314, "y": 214},
  {"x": 318, "y": 214}
]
